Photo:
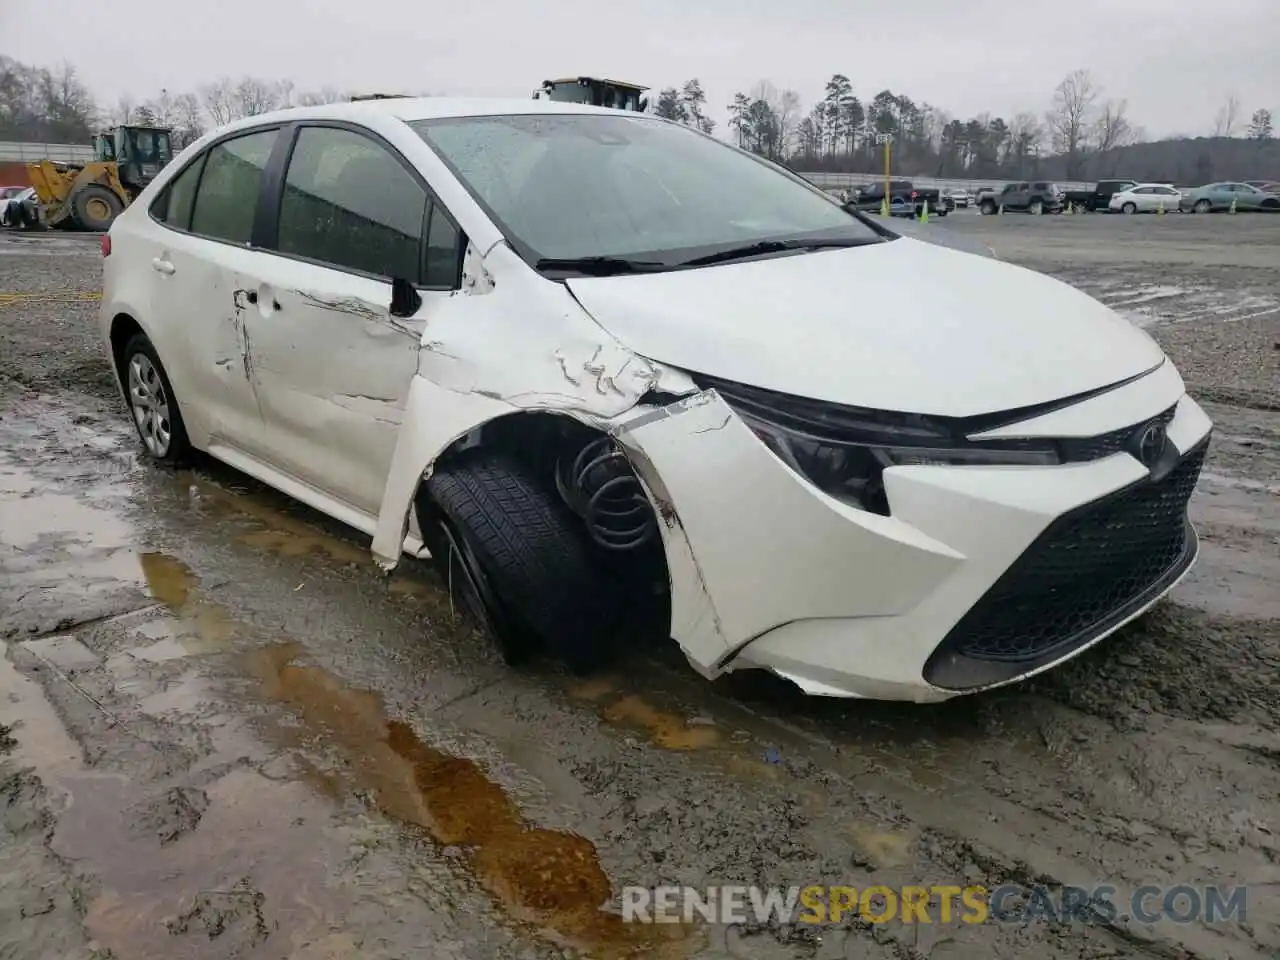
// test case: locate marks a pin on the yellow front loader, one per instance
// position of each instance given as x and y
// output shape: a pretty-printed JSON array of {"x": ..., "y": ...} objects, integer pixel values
[{"x": 91, "y": 195}]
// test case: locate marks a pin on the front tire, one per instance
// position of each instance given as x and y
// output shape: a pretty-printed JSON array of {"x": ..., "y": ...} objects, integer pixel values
[
  {"x": 1202, "y": 206},
  {"x": 95, "y": 207},
  {"x": 1129, "y": 208},
  {"x": 1037, "y": 208},
  {"x": 539, "y": 581},
  {"x": 152, "y": 404},
  {"x": 987, "y": 208}
]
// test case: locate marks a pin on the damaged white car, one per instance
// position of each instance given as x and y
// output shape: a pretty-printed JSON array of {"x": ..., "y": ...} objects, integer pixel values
[{"x": 622, "y": 380}]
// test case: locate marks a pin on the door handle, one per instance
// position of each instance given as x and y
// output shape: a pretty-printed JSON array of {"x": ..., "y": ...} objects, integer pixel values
[{"x": 163, "y": 266}]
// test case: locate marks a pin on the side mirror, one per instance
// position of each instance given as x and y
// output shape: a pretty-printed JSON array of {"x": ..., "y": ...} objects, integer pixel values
[{"x": 405, "y": 299}]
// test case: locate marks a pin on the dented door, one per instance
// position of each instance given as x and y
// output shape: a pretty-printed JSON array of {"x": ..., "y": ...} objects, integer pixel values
[
  {"x": 196, "y": 284},
  {"x": 331, "y": 369}
]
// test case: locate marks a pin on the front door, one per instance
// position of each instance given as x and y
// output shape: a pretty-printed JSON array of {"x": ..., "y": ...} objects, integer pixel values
[{"x": 330, "y": 365}]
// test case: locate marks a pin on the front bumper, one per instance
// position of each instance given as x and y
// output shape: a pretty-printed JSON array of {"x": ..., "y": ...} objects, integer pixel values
[{"x": 981, "y": 576}]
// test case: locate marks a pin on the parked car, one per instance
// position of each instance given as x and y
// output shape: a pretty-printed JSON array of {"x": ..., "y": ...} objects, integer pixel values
[
  {"x": 1146, "y": 198},
  {"x": 1099, "y": 198},
  {"x": 569, "y": 352},
  {"x": 1036, "y": 197},
  {"x": 960, "y": 198},
  {"x": 18, "y": 207},
  {"x": 1214, "y": 197},
  {"x": 870, "y": 197}
]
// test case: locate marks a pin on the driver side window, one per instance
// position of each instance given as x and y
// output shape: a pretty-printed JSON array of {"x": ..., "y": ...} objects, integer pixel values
[{"x": 351, "y": 203}]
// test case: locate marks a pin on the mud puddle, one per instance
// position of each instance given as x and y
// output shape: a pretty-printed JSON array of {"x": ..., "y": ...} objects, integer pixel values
[{"x": 551, "y": 879}]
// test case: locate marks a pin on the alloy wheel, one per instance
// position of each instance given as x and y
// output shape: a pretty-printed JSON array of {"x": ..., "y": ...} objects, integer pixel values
[{"x": 150, "y": 404}]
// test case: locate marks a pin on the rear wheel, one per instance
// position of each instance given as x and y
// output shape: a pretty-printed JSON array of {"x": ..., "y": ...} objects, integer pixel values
[
  {"x": 95, "y": 207},
  {"x": 527, "y": 570},
  {"x": 151, "y": 402}
]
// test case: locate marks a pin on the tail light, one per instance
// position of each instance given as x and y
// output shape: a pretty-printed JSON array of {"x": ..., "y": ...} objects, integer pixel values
[
  {"x": 914, "y": 194},
  {"x": 105, "y": 243}
]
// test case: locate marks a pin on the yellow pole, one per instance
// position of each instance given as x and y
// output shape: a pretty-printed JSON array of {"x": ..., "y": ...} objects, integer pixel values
[{"x": 887, "y": 144}]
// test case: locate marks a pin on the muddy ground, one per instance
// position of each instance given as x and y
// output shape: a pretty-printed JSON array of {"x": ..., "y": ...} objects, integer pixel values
[{"x": 221, "y": 735}]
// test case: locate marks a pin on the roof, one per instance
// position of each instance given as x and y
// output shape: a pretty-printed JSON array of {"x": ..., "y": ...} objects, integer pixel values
[
  {"x": 430, "y": 108},
  {"x": 612, "y": 83}
]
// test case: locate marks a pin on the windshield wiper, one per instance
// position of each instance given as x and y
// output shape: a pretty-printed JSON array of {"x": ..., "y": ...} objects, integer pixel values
[
  {"x": 773, "y": 246},
  {"x": 599, "y": 266}
]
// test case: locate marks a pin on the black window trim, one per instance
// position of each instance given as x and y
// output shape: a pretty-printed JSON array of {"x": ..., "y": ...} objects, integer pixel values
[
  {"x": 266, "y": 227},
  {"x": 201, "y": 159}
]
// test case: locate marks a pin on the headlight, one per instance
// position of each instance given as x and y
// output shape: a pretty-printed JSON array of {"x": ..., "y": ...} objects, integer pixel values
[{"x": 844, "y": 451}]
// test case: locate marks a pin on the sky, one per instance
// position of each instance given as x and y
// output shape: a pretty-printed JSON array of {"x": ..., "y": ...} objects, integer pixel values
[{"x": 1175, "y": 64}]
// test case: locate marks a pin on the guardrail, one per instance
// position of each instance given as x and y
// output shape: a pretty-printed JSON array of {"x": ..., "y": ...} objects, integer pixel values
[
  {"x": 836, "y": 181},
  {"x": 14, "y": 151}
]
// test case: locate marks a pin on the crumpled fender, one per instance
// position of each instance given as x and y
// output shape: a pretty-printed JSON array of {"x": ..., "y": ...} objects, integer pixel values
[{"x": 483, "y": 355}]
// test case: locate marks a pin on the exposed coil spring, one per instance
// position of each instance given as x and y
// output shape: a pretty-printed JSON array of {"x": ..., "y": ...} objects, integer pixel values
[{"x": 600, "y": 487}]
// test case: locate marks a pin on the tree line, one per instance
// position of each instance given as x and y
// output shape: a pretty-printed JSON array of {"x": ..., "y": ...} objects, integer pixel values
[
  {"x": 1082, "y": 134},
  {"x": 53, "y": 105}
]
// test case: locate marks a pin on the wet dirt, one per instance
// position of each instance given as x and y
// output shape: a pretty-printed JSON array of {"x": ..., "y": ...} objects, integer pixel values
[{"x": 222, "y": 736}]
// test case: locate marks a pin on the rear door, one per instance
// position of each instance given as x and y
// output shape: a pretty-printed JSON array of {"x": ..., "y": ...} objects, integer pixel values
[
  {"x": 208, "y": 213},
  {"x": 331, "y": 364}
]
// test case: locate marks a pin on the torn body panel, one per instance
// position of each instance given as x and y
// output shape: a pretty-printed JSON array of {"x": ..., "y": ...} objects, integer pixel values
[
  {"x": 349, "y": 395},
  {"x": 724, "y": 541},
  {"x": 568, "y": 366}
]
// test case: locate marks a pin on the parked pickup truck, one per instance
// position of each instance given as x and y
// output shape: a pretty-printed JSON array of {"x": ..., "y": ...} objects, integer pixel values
[
  {"x": 870, "y": 197},
  {"x": 1099, "y": 198},
  {"x": 1037, "y": 196}
]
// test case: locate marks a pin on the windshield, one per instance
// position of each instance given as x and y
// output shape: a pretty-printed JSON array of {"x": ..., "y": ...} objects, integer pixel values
[{"x": 568, "y": 187}]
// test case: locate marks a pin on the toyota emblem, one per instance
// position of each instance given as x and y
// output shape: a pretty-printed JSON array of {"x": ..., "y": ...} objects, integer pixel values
[{"x": 1151, "y": 444}]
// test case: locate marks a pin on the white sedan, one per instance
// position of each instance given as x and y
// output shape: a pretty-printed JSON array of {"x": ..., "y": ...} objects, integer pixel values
[
  {"x": 621, "y": 379},
  {"x": 1146, "y": 198}
]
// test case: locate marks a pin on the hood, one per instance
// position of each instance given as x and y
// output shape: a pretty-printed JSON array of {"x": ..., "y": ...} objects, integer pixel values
[{"x": 904, "y": 325}]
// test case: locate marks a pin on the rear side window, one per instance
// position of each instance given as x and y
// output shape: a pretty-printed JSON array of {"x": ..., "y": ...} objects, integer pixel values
[
  {"x": 348, "y": 201},
  {"x": 174, "y": 206},
  {"x": 228, "y": 197}
]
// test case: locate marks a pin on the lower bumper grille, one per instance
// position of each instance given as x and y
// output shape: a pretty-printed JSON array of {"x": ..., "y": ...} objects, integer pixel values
[{"x": 1088, "y": 570}]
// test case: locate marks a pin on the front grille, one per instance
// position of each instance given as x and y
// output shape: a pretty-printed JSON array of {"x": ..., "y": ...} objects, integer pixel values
[
  {"x": 1106, "y": 444},
  {"x": 1088, "y": 569}
]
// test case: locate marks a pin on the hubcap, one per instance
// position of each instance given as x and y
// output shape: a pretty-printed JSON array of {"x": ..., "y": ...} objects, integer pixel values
[
  {"x": 98, "y": 209},
  {"x": 150, "y": 404}
]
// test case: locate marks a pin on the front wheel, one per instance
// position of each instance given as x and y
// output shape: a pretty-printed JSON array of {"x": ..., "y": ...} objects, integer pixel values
[
  {"x": 1130, "y": 208},
  {"x": 95, "y": 207},
  {"x": 524, "y": 559},
  {"x": 1202, "y": 206},
  {"x": 1037, "y": 207},
  {"x": 987, "y": 208},
  {"x": 151, "y": 402}
]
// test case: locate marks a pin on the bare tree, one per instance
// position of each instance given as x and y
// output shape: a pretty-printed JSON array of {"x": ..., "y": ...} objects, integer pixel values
[
  {"x": 1112, "y": 128},
  {"x": 1025, "y": 135},
  {"x": 1069, "y": 119},
  {"x": 218, "y": 99},
  {"x": 188, "y": 119},
  {"x": 1227, "y": 117},
  {"x": 253, "y": 96},
  {"x": 314, "y": 98},
  {"x": 161, "y": 108},
  {"x": 124, "y": 109}
]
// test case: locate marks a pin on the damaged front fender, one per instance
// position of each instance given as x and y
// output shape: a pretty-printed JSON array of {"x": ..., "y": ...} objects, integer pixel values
[{"x": 751, "y": 545}]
